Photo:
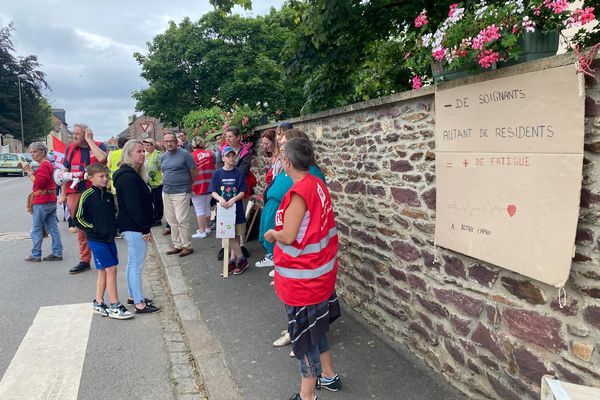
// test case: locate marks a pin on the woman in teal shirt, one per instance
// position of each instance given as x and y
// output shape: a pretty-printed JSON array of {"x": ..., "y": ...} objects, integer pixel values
[{"x": 280, "y": 186}]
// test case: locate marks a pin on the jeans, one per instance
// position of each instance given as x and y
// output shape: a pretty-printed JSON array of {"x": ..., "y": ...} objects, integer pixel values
[
  {"x": 310, "y": 364},
  {"x": 44, "y": 215},
  {"x": 136, "y": 253}
]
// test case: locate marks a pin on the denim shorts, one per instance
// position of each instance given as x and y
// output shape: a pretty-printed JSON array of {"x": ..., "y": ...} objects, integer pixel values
[
  {"x": 310, "y": 364},
  {"x": 105, "y": 254}
]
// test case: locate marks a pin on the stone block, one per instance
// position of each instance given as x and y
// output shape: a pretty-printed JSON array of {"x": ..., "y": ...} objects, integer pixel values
[
  {"x": 579, "y": 331},
  {"x": 483, "y": 275},
  {"x": 411, "y": 178},
  {"x": 426, "y": 320},
  {"x": 473, "y": 367},
  {"x": 413, "y": 213},
  {"x": 421, "y": 331},
  {"x": 530, "y": 365},
  {"x": 592, "y": 315},
  {"x": 405, "y": 196},
  {"x": 504, "y": 392},
  {"x": 401, "y": 166},
  {"x": 402, "y": 293},
  {"x": 588, "y": 198},
  {"x": 429, "y": 198},
  {"x": 568, "y": 375},
  {"x": 355, "y": 188},
  {"x": 469, "y": 306},
  {"x": 417, "y": 282},
  {"x": 383, "y": 283},
  {"x": 454, "y": 351},
  {"x": 398, "y": 274},
  {"x": 486, "y": 339},
  {"x": 582, "y": 350},
  {"x": 584, "y": 235},
  {"x": 488, "y": 362},
  {"x": 433, "y": 307},
  {"x": 453, "y": 266},
  {"x": 524, "y": 290},
  {"x": 460, "y": 325},
  {"x": 335, "y": 186},
  {"x": 405, "y": 250},
  {"x": 534, "y": 327}
]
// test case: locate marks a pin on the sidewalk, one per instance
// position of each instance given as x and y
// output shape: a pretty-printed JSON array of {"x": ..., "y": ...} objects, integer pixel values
[{"x": 230, "y": 325}]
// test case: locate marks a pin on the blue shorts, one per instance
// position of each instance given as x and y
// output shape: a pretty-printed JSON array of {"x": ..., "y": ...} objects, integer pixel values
[{"x": 105, "y": 254}]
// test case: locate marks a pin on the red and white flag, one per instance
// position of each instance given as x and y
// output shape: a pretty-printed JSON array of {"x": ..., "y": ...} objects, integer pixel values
[{"x": 59, "y": 152}]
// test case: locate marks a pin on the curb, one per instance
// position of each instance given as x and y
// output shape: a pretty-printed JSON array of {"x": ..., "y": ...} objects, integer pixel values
[{"x": 204, "y": 346}]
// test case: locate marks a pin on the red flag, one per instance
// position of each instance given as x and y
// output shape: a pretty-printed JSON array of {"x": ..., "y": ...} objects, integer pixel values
[{"x": 59, "y": 152}]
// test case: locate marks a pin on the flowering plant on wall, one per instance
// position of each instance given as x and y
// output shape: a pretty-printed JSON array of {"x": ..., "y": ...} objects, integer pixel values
[
  {"x": 211, "y": 123},
  {"x": 482, "y": 34}
]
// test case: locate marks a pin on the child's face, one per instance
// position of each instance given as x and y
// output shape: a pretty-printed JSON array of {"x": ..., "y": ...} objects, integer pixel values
[
  {"x": 99, "y": 179},
  {"x": 229, "y": 160}
]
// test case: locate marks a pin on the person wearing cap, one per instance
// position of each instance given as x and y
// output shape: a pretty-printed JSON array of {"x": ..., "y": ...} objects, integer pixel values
[
  {"x": 228, "y": 187},
  {"x": 154, "y": 178},
  {"x": 179, "y": 172},
  {"x": 205, "y": 163},
  {"x": 243, "y": 161}
]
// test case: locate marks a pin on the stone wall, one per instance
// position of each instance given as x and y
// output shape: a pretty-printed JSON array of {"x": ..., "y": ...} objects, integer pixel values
[{"x": 491, "y": 332}]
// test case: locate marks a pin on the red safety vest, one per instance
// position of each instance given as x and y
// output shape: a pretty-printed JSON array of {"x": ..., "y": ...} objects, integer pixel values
[
  {"x": 73, "y": 156},
  {"x": 205, "y": 164},
  {"x": 305, "y": 270}
]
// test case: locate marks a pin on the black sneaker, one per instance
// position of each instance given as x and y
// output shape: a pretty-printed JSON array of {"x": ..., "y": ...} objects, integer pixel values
[
  {"x": 296, "y": 396},
  {"x": 333, "y": 384},
  {"x": 245, "y": 252},
  {"x": 221, "y": 254},
  {"x": 147, "y": 301},
  {"x": 147, "y": 310},
  {"x": 52, "y": 257},
  {"x": 82, "y": 266}
]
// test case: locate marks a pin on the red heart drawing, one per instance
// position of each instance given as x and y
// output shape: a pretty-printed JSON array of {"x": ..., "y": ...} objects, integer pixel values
[{"x": 512, "y": 209}]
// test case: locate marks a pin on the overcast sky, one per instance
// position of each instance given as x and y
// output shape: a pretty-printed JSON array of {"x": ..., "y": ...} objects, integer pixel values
[{"x": 86, "y": 50}]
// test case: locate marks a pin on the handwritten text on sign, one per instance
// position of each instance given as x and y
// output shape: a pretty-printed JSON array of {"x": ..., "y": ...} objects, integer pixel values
[{"x": 508, "y": 166}]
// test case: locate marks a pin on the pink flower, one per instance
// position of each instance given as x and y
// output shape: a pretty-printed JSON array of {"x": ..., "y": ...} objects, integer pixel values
[
  {"x": 581, "y": 17},
  {"x": 453, "y": 7},
  {"x": 417, "y": 82},
  {"x": 486, "y": 35},
  {"x": 439, "y": 53},
  {"x": 557, "y": 6},
  {"x": 488, "y": 57},
  {"x": 537, "y": 11},
  {"x": 421, "y": 19}
]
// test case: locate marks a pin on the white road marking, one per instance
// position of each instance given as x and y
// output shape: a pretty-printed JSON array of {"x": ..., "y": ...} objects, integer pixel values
[{"x": 49, "y": 361}]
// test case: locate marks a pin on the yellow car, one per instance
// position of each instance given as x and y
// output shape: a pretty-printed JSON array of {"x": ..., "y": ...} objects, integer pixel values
[{"x": 10, "y": 163}]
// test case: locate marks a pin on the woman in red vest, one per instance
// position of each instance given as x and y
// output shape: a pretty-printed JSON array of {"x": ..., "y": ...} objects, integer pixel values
[
  {"x": 305, "y": 258},
  {"x": 205, "y": 163}
]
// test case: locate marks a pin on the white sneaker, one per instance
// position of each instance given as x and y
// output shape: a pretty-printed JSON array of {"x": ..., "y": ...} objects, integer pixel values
[
  {"x": 267, "y": 261},
  {"x": 199, "y": 235},
  {"x": 292, "y": 354},
  {"x": 284, "y": 340},
  {"x": 272, "y": 274},
  {"x": 208, "y": 230}
]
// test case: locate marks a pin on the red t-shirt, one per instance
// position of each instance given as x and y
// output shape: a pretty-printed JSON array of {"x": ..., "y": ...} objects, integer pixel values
[{"x": 44, "y": 181}]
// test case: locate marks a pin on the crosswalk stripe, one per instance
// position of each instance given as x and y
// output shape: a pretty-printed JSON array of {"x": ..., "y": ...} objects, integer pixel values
[{"x": 49, "y": 361}]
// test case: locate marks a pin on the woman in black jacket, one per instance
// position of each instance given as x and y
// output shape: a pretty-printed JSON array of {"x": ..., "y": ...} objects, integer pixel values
[{"x": 134, "y": 219}]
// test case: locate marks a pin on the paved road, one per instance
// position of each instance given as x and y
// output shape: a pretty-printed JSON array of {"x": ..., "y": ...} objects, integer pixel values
[{"x": 115, "y": 359}]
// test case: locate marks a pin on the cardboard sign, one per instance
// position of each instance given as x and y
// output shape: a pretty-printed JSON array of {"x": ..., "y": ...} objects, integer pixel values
[
  {"x": 225, "y": 222},
  {"x": 508, "y": 171}
]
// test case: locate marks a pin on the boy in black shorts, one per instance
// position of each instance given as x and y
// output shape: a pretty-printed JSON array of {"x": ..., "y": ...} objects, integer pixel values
[{"x": 96, "y": 215}]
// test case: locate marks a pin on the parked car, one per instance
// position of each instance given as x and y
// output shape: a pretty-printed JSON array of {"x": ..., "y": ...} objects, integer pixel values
[{"x": 10, "y": 163}]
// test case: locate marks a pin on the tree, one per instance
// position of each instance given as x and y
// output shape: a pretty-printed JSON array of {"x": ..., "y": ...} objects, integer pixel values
[
  {"x": 218, "y": 59},
  {"x": 37, "y": 114}
]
